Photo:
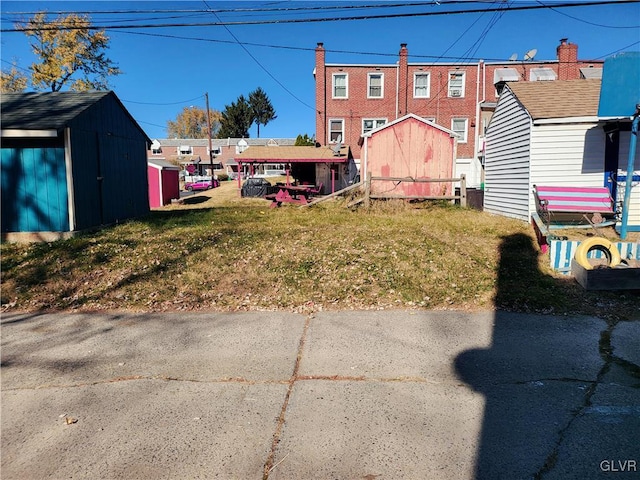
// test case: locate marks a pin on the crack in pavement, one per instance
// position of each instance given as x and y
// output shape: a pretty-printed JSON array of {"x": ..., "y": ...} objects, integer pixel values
[
  {"x": 269, "y": 465},
  {"x": 606, "y": 353}
]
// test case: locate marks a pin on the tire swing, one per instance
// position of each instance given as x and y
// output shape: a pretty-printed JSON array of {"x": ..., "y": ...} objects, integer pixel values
[{"x": 597, "y": 243}]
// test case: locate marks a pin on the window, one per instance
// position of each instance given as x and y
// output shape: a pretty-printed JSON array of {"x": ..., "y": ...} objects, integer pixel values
[
  {"x": 369, "y": 124},
  {"x": 336, "y": 130},
  {"x": 241, "y": 146},
  {"x": 456, "y": 84},
  {"x": 376, "y": 86},
  {"x": 340, "y": 85},
  {"x": 542, "y": 74},
  {"x": 421, "y": 85},
  {"x": 459, "y": 126},
  {"x": 156, "y": 148},
  {"x": 216, "y": 151},
  {"x": 185, "y": 150}
]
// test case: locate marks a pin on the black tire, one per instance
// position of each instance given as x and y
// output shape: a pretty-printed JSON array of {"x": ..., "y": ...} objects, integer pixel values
[{"x": 189, "y": 188}]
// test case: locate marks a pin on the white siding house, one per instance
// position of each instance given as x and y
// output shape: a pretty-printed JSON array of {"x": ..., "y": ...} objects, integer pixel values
[
  {"x": 547, "y": 133},
  {"x": 507, "y": 168}
]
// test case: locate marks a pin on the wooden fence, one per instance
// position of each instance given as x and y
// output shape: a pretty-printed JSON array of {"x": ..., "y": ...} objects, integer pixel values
[{"x": 462, "y": 196}]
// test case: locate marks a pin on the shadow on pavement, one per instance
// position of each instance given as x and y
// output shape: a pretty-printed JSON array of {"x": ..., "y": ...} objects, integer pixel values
[{"x": 540, "y": 379}]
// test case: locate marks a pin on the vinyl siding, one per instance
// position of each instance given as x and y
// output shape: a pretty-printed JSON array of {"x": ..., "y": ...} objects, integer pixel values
[
  {"x": 567, "y": 155},
  {"x": 507, "y": 159}
]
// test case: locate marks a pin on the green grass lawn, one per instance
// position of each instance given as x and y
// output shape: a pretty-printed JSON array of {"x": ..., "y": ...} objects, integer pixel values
[{"x": 228, "y": 254}]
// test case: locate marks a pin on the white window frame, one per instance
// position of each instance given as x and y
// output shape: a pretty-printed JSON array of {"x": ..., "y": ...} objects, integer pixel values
[
  {"x": 346, "y": 85},
  {"x": 377, "y": 122},
  {"x": 538, "y": 74},
  {"x": 376, "y": 74},
  {"x": 452, "y": 89},
  {"x": 415, "y": 84},
  {"x": 331, "y": 120},
  {"x": 461, "y": 138},
  {"x": 182, "y": 152}
]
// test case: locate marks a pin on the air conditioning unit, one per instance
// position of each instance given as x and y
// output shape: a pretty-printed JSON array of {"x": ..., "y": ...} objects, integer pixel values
[{"x": 456, "y": 93}]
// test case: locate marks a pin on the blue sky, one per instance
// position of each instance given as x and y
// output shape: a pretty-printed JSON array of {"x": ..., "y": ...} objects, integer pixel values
[{"x": 166, "y": 69}]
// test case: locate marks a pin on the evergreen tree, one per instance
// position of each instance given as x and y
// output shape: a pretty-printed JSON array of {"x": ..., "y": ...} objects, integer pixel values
[
  {"x": 262, "y": 111},
  {"x": 303, "y": 141},
  {"x": 236, "y": 119}
]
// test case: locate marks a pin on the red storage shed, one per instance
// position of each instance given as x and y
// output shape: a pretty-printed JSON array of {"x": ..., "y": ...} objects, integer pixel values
[
  {"x": 409, "y": 147},
  {"x": 164, "y": 182}
]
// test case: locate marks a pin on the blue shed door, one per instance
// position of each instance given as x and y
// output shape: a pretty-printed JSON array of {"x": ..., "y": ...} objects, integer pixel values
[{"x": 34, "y": 190}]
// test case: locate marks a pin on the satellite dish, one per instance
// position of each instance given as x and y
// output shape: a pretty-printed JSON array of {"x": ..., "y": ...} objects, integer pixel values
[
  {"x": 530, "y": 54},
  {"x": 337, "y": 147},
  {"x": 513, "y": 57}
]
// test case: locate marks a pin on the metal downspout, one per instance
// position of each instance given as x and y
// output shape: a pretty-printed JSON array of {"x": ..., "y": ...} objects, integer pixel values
[
  {"x": 630, "y": 161},
  {"x": 397, "y": 88}
]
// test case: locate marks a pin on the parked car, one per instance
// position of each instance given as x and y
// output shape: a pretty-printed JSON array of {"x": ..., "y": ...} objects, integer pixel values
[{"x": 201, "y": 185}]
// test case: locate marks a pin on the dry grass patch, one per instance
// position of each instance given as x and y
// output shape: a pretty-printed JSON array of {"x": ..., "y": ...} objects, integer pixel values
[{"x": 227, "y": 253}]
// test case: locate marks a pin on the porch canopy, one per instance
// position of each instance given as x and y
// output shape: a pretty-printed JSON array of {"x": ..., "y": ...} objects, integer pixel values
[{"x": 292, "y": 155}]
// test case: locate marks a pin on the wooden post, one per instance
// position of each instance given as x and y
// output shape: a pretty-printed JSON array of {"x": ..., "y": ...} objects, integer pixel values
[
  {"x": 367, "y": 191},
  {"x": 463, "y": 190}
]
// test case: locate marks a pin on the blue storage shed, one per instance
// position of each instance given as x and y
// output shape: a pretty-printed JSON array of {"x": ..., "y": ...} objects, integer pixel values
[{"x": 71, "y": 161}]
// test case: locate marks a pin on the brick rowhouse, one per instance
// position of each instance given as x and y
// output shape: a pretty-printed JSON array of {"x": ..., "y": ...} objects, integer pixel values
[{"x": 351, "y": 99}]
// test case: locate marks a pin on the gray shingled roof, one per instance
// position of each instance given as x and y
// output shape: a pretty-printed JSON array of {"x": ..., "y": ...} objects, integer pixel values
[{"x": 45, "y": 110}]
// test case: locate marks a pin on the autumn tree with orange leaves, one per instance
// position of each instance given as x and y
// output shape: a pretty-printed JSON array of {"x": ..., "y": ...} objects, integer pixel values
[{"x": 71, "y": 53}]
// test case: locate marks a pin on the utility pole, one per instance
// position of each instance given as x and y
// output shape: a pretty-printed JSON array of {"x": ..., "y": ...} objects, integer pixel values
[{"x": 206, "y": 97}]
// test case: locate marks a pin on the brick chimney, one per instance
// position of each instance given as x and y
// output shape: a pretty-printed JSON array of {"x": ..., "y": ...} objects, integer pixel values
[
  {"x": 567, "y": 60},
  {"x": 403, "y": 87},
  {"x": 321, "y": 95}
]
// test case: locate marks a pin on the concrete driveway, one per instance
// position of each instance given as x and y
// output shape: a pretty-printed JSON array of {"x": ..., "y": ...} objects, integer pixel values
[{"x": 334, "y": 395}]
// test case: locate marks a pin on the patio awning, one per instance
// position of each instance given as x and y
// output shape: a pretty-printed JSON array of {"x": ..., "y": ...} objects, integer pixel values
[
  {"x": 294, "y": 154},
  {"x": 506, "y": 74}
]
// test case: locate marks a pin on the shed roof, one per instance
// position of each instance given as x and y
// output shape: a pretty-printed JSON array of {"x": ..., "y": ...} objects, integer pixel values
[
  {"x": 414, "y": 117},
  {"x": 49, "y": 110},
  {"x": 293, "y": 154},
  {"x": 559, "y": 98},
  {"x": 154, "y": 162}
]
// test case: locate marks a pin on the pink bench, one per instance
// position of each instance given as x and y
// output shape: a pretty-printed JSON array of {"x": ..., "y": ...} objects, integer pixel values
[{"x": 571, "y": 207}]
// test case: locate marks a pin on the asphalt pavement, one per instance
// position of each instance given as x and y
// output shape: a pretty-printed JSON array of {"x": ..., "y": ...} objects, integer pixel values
[{"x": 330, "y": 395}]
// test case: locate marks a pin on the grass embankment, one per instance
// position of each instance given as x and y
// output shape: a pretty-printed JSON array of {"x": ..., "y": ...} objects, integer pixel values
[{"x": 220, "y": 252}]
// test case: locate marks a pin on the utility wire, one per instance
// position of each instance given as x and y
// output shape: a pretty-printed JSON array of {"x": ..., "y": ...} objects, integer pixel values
[
  {"x": 257, "y": 10},
  {"x": 552, "y": 8},
  {"x": 172, "y": 103},
  {"x": 262, "y": 66},
  {"x": 330, "y": 19}
]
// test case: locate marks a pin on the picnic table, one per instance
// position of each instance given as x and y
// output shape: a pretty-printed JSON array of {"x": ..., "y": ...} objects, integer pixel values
[{"x": 296, "y": 194}]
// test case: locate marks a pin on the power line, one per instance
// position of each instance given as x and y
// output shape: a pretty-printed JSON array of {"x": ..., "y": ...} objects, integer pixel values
[
  {"x": 330, "y": 19},
  {"x": 257, "y": 10},
  {"x": 171, "y": 103},
  {"x": 263, "y": 67},
  {"x": 551, "y": 7}
]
